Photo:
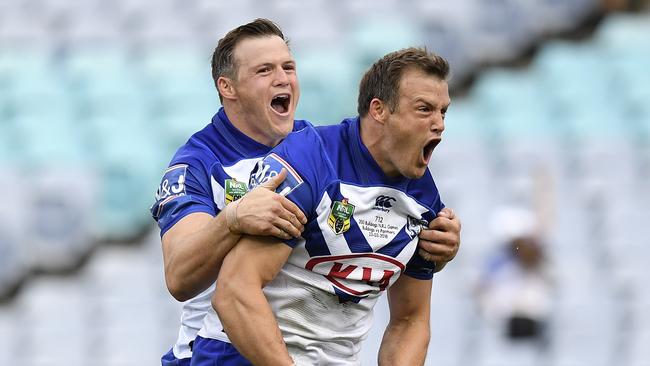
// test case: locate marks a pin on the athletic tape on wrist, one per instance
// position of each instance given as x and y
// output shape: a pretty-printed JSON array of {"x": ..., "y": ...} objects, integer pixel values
[{"x": 231, "y": 216}]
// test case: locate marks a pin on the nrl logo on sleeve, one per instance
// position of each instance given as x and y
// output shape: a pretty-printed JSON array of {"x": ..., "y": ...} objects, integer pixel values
[
  {"x": 340, "y": 214},
  {"x": 234, "y": 190}
]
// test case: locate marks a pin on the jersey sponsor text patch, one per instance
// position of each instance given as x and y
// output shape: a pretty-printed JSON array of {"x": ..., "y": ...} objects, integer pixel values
[
  {"x": 271, "y": 166},
  {"x": 171, "y": 186}
]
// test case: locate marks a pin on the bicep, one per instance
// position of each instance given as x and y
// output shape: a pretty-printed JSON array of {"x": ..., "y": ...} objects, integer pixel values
[
  {"x": 186, "y": 226},
  {"x": 409, "y": 299},
  {"x": 254, "y": 260}
]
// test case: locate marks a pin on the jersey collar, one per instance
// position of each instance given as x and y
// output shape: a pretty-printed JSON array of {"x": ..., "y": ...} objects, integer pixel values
[{"x": 239, "y": 141}]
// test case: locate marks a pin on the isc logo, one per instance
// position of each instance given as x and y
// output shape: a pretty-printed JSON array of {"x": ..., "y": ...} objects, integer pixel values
[
  {"x": 357, "y": 274},
  {"x": 270, "y": 167},
  {"x": 261, "y": 174}
]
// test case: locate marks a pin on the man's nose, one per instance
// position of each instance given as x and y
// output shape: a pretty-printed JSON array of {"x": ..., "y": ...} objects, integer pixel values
[
  {"x": 438, "y": 124},
  {"x": 281, "y": 77}
]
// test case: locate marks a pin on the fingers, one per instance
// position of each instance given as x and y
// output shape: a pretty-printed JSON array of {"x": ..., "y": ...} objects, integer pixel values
[
  {"x": 447, "y": 212},
  {"x": 297, "y": 213},
  {"x": 264, "y": 212},
  {"x": 444, "y": 223},
  {"x": 435, "y": 252},
  {"x": 426, "y": 255},
  {"x": 270, "y": 226},
  {"x": 290, "y": 218},
  {"x": 274, "y": 182},
  {"x": 292, "y": 228},
  {"x": 440, "y": 245},
  {"x": 439, "y": 237},
  {"x": 280, "y": 233}
]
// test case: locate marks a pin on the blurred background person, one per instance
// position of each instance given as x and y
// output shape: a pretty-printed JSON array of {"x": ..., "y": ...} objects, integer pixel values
[{"x": 514, "y": 291}]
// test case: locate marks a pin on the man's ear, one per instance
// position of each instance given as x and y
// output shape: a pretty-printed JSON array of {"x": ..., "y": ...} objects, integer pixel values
[
  {"x": 226, "y": 88},
  {"x": 378, "y": 110}
]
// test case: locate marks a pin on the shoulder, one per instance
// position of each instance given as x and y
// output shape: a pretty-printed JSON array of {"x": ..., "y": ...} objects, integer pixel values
[
  {"x": 424, "y": 190},
  {"x": 337, "y": 132},
  {"x": 303, "y": 143},
  {"x": 299, "y": 124},
  {"x": 302, "y": 155}
]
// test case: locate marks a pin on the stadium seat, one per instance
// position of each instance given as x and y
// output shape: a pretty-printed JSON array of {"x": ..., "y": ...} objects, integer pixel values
[
  {"x": 54, "y": 315},
  {"x": 9, "y": 329},
  {"x": 638, "y": 350},
  {"x": 129, "y": 182},
  {"x": 500, "y": 30},
  {"x": 14, "y": 254},
  {"x": 625, "y": 31},
  {"x": 371, "y": 39},
  {"x": 61, "y": 215},
  {"x": 317, "y": 103},
  {"x": 318, "y": 27}
]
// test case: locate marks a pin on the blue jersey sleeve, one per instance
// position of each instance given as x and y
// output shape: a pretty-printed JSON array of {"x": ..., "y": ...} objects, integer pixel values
[
  {"x": 308, "y": 168},
  {"x": 184, "y": 189}
]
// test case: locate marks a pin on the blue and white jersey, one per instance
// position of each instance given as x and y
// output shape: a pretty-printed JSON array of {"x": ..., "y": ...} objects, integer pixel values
[
  {"x": 361, "y": 236},
  {"x": 208, "y": 172}
]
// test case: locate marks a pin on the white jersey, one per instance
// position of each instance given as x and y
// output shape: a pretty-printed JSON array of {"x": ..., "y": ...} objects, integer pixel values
[{"x": 361, "y": 236}]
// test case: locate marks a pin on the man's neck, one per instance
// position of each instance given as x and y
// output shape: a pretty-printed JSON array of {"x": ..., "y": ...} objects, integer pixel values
[
  {"x": 371, "y": 133},
  {"x": 241, "y": 121}
]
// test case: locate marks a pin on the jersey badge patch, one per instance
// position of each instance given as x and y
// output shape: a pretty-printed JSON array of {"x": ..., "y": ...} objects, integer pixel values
[
  {"x": 271, "y": 166},
  {"x": 340, "y": 214},
  {"x": 234, "y": 190}
]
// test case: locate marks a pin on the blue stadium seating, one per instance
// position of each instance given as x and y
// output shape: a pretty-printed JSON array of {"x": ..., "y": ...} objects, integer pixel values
[{"x": 95, "y": 96}]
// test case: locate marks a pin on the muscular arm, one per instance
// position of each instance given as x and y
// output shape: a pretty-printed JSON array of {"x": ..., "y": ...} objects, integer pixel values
[
  {"x": 194, "y": 248},
  {"x": 406, "y": 337},
  {"x": 244, "y": 311}
]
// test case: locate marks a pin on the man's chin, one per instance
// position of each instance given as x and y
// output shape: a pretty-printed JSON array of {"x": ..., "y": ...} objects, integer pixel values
[
  {"x": 283, "y": 129},
  {"x": 284, "y": 123},
  {"x": 415, "y": 172}
]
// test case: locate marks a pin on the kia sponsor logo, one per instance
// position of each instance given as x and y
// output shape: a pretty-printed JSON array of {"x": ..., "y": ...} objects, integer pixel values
[{"x": 357, "y": 274}]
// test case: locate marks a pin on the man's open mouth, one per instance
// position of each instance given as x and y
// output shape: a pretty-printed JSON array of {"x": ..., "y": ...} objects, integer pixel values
[
  {"x": 428, "y": 148},
  {"x": 280, "y": 103}
]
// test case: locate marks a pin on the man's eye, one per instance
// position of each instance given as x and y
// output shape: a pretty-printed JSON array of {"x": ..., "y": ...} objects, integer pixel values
[
  {"x": 263, "y": 70},
  {"x": 289, "y": 67}
]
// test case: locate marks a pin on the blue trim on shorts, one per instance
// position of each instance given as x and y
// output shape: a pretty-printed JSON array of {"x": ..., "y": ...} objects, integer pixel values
[
  {"x": 212, "y": 352},
  {"x": 168, "y": 359}
]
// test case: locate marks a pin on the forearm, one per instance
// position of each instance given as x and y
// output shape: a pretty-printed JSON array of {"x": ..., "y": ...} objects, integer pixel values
[
  {"x": 242, "y": 307},
  {"x": 192, "y": 261},
  {"x": 250, "y": 324},
  {"x": 405, "y": 342},
  {"x": 406, "y": 337}
]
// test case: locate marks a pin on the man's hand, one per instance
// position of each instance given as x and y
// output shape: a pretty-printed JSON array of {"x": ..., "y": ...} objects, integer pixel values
[
  {"x": 264, "y": 212},
  {"x": 441, "y": 241}
]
